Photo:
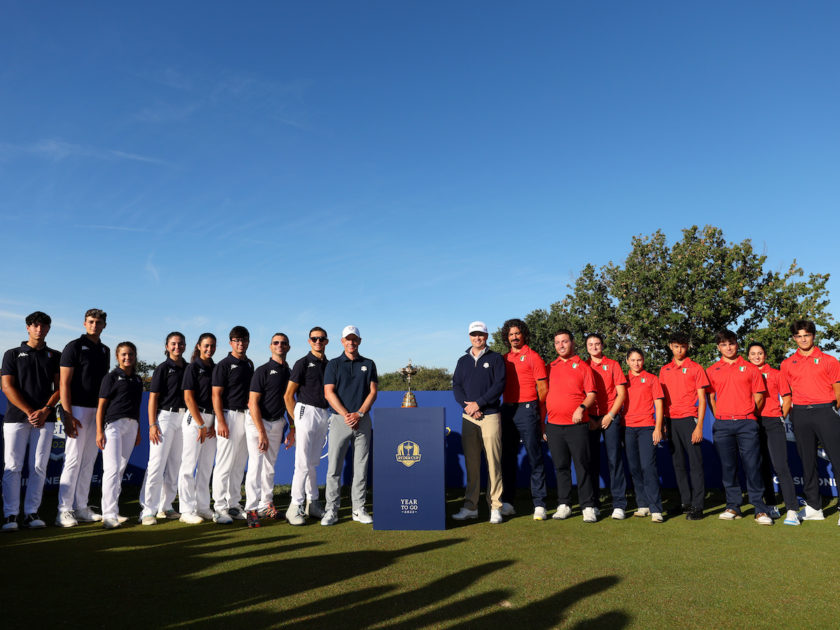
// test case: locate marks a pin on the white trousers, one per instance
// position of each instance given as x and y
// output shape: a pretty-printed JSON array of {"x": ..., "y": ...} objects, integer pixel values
[
  {"x": 259, "y": 482},
  {"x": 196, "y": 466},
  {"x": 160, "y": 483},
  {"x": 120, "y": 436},
  {"x": 231, "y": 458},
  {"x": 79, "y": 456},
  {"x": 17, "y": 436},
  {"x": 311, "y": 427}
]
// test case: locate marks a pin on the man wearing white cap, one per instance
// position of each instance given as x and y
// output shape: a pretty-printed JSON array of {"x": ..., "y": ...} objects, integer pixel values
[
  {"x": 350, "y": 386},
  {"x": 478, "y": 383}
]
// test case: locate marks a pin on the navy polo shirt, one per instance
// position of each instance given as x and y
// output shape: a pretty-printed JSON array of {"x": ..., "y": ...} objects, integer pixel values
[
  {"x": 235, "y": 376},
  {"x": 308, "y": 373},
  {"x": 352, "y": 379},
  {"x": 197, "y": 379},
  {"x": 124, "y": 393},
  {"x": 34, "y": 372},
  {"x": 481, "y": 381},
  {"x": 90, "y": 362},
  {"x": 166, "y": 383},
  {"x": 270, "y": 382}
]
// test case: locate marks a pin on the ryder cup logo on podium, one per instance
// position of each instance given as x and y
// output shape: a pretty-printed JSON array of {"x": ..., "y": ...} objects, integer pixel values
[{"x": 408, "y": 453}]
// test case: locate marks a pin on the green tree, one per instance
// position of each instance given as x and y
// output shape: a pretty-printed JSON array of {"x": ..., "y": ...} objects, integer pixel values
[
  {"x": 699, "y": 285},
  {"x": 145, "y": 371},
  {"x": 426, "y": 380}
]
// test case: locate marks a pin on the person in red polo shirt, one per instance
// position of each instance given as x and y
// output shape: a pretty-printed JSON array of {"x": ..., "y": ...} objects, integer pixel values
[
  {"x": 736, "y": 390},
  {"x": 814, "y": 379},
  {"x": 773, "y": 437},
  {"x": 571, "y": 393},
  {"x": 526, "y": 386},
  {"x": 643, "y": 432},
  {"x": 605, "y": 419},
  {"x": 684, "y": 383}
]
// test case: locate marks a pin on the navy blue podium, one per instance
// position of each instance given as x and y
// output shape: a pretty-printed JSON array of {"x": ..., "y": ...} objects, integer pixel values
[{"x": 408, "y": 468}]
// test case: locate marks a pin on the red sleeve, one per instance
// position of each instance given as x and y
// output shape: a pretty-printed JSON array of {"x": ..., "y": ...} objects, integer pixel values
[
  {"x": 757, "y": 382},
  {"x": 701, "y": 380},
  {"x": 834, "y": 370},
  {"x": 588, "y": 379},
  {"x": 711, "y": 386},
  {"x": 618, "y": 375},
  {"x": 656, "y": 388},
  {"x": 784, "y": 387},
  {"x": 538, "y": 366}
]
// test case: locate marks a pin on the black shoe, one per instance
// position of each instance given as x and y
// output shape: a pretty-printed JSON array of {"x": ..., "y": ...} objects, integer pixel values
[
  {"x": 694, "y": 514},
  {"x": 683, "y": 509}
]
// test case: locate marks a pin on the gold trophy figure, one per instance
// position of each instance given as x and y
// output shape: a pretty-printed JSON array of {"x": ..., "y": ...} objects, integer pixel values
[{"x": 407, "y": 372}]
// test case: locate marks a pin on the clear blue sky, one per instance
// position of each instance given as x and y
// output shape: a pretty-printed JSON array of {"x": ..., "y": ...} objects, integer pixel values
[{"x": 403, "y": 166}]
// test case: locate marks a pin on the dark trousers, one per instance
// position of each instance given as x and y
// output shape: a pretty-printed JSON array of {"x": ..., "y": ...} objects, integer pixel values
[
  {"x": 614, "y": 448},
  {"x": 567, "y": 443},
  {"x": 771, "y": 431},
  {"x": 690, "y": 481},
  {"x": 522, "y": 422},
  {"x": 812, "y": 423},
  {"x": 641, "y": 460},
  {"x": 734, "y": 437}
]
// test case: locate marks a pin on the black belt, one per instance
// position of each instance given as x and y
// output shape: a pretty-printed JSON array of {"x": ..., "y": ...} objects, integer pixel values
[
  {"x": 210, "y": 411},
  {"x": 316, "y": 406},
  {"x": 237, "y": 409},
  {"x": 272, "y": 419},
  {"x": 817, "y": 406},
  {"x": 520, "y": 404},
  {"x": 172, "y": 409}
]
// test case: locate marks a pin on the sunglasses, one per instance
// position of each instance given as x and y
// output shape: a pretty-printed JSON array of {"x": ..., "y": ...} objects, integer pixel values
[
  {"x": 279, "y": 343},
  {"x": 317, "y": 339}
]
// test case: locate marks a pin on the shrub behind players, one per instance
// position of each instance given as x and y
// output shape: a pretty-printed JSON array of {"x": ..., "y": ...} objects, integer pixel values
[
  {"x": 30, "y": 382},
  {"x": 84, "y": 363},
  {"x": 118, "y": 428},
  {"x": 736, "y": 390},
  {"x": 166, "y": 412},
  {"x": 643, "y": 414},
  {"x": 264, "y": 426},
  {"x": 814, "y": 379}
]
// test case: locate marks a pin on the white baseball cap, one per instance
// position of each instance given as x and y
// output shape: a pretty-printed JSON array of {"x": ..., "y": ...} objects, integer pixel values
[
  {"x": 350, "y": 330},
  {"x": 479, "y": 327}
]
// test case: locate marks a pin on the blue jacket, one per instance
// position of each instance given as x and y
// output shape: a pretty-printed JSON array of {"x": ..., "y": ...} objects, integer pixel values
[{"x": 481, "y": 381}]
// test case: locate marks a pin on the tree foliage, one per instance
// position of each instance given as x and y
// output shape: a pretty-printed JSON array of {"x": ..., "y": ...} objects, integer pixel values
[
  {"x": 145, "y": 370},
  {"x": 698, "y": 286},
  {"x": 426, "y": 380}
]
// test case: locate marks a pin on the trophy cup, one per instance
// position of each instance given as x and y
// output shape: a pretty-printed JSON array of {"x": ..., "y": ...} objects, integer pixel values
[{"x": 407, "y": 372}]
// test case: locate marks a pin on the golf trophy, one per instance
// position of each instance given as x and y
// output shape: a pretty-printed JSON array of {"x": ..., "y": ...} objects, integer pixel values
[{"x": 407, "y": 372}]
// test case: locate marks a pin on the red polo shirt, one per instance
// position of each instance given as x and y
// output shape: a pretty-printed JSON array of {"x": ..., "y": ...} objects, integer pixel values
[
  {"x": 608, "y": 374},
  {"x": 569, "y": 382},
  {"x": 734, "y": 385},
  {"x": 776, "y": 386},
  {"x": 642, "y": 390},
  {"x": 811, "y": 378},
  {"x": 680, "y": 384},
  {"x": 522, "y": 371}
]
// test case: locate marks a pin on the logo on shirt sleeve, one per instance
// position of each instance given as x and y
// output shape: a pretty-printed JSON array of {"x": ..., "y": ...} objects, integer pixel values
[
  {"x": 574, "y": 366},
  {"x": 364, "y": 368},
  {"x": 605, "y": 368},
  {"x": 685, "y": 370},
  {"x": 643, "y": 379},
  {"x": 272, "y": 372},
  {"x": 741, "y": 368},
  {"x": 522, "y": 358}
]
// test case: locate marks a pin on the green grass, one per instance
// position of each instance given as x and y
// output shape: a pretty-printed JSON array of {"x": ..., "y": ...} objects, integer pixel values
[{"x": 520, "y": 575}]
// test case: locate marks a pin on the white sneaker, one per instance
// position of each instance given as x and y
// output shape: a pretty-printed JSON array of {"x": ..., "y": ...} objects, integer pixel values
[
  {"x": 206, "y": 514},
  {"x": 222, "y": 517},
  {"x": 296, "y": 515},
  {"x": 763, "y": 519},
  {"x": 589, "y": 515},
  {"x": 496, "y": 517},
  {"x": 563, "y": 512},
  {"x": 33, "y": 521},
  {"x": 10, "y": 524},
  {"x": 792, "y": 518},
  {"x": 66, "y": 519},
  {"x": 810, "y": 514},
  {"x": 148, "y": 519},
  {"x": 463, "y": 514},
  {"x": 330, "y": 517},
  {"x": 191, "y": 519},
  {"x": 656, "y": 517},
  {"x": 539, "y": 513},
  {"x": 361, "y": 516},
  {"x": 729, "y": 515},
  {"x": 314, "y": 509},
  {"x": 169, "y": 515},
  {"x": 642, "y": 512},
  {"x": 237, "y": 513},
  {"x": 618, "y": 514},
  {"x": 508, "y": 509},
  {"x": 110, "y": 523},
  {"x": 122, "y": 519},
  {"x": 86, "y": 515}
]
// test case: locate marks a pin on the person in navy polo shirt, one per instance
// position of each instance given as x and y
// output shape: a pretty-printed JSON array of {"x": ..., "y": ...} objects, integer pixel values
[
  {"x": 231, "y": 384},
  {"x": 30, "y": 382},
  {"x": 736, "y": 390},
  {"x": 310, "y": 423},
  {"x": 350, "y": 386},
  {"x": 118, "y": 428},
  {"x": 814, "y": 379},
  {"x": 264, "y": 427},
  {"x": 526, "y": 385},
  {"x": 477, "y": 383},
  {"x": 166, "y": 411},
  {"x": 84, "y": 363}
]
